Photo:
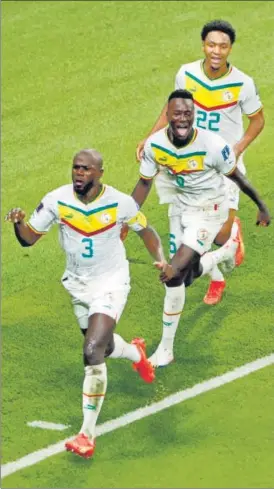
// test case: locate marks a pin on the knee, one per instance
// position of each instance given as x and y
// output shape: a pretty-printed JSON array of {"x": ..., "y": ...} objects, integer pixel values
[
  {"x": 94, "y": 351},
  {"x": 175, "y": 282}
]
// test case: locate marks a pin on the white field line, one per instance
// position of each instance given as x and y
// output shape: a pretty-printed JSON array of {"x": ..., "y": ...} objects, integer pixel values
[
  {"x": 35, "y": 457},
  {"x": 45, "y": 425}
]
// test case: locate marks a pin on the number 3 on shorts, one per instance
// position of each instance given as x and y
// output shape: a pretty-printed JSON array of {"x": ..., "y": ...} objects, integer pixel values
[{"x": 88, "y": 248}]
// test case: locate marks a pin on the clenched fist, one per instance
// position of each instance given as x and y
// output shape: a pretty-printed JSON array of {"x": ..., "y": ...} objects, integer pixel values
[{"x": 15, "y": 215}]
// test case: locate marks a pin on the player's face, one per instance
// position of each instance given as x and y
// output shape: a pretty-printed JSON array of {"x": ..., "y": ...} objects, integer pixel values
[
  {"x": 217, "y": 47},
  {"x": 85, "y": 174},
  {"x": 180, "y": 116}
]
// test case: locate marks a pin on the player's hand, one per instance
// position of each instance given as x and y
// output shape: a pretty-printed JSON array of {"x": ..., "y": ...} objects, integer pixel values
[
  {"x": 124, "y": 232},
  {"x": 140, "y": 149},
  {"x": 15, "y": 215},
  {"x": 167, "y": 272},
  {"x": 263, "y": 217},
  {"x": 237, "y": 151}
]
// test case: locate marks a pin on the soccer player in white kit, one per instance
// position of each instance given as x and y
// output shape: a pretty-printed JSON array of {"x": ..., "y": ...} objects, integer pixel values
[
  {"x": 222, "y": 94},
  {"x": 90, "y": 215},
  {"x": 188, "y": 165}
]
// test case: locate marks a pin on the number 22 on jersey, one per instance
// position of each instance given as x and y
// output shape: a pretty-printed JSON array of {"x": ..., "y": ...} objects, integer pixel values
[{"x": 208, "y": 120}]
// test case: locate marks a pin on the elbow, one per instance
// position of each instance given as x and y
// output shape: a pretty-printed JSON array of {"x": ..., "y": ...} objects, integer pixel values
[
  {"x": 24, "y": 244},
  {"x": 146, "y": 183}
]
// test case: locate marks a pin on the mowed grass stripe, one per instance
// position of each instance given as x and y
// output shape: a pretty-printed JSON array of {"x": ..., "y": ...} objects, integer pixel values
[{"x": 181, "y": 396}]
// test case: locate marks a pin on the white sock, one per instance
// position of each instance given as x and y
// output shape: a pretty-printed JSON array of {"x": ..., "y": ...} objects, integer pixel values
[
  {"x": 215, "y": 274},
  {"x": 173, "y": 305},
  {"x": 94, "y": 389},
  {"x": 212, "y": 258},
  {"x": 234, "y": 230},
  {"x": 122, "y": 349}
]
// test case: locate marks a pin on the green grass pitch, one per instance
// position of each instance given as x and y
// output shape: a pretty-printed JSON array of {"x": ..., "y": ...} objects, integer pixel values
[{"x": 96, "y": 74}]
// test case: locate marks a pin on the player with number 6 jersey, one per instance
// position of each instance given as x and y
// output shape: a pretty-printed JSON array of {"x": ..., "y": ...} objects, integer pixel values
[
  {"x": 188, "y": 165},
  {"x": 192, "y": 174}
]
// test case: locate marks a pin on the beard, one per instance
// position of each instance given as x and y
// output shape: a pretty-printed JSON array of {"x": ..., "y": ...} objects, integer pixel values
[{"x": 85, "y": 189}]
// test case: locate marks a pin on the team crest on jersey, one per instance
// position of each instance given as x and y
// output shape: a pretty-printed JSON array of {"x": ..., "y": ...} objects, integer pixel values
[
  {"x": 105, "y": 218},
  {"x": 193, "y": 89},
  {"x": 192, "y": 164},
  {"x": 202, "y": 234},
  {"x": 227, "y": 96}
]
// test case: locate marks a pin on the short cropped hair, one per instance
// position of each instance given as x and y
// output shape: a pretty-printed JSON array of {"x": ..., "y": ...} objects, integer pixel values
[
  {"x": 180, "y": 93},
  {"x": 219, "y": 25}
]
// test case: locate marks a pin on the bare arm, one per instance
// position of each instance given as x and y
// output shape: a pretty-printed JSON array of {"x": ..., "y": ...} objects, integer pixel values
[
  {"x": 152, "y": 243},
  {"x": 24, "y": 234},
  {"x": 159, "y": 124},
  {"x": 246, "y": 187},
  {"x": 256, "y": 125},
  {"x": 141, "y": 191}
]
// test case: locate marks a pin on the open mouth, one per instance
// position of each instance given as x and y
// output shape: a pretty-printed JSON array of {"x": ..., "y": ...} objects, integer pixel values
[
  {"x": 78, "y": 183},
  {"x": 215, "y": 60},
  {"x": 182, "y": 131}
]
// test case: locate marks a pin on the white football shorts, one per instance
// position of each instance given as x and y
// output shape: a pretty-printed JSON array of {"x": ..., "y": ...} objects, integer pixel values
[
  {"x": 195, "y": 227},
  {"x": 89, "y": 298}
]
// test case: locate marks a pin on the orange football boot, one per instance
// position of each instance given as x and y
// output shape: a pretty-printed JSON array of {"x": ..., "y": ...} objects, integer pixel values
[
  {"x": 143, "y": 367},
  {"x": 81, "y": 445},
  {"x": 240, "y": 252},
  {"x": 215, "y": 292}
]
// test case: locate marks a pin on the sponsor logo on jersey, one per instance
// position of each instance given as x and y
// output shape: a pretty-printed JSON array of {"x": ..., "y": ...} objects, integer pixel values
[{"x": 193, "y": 89}]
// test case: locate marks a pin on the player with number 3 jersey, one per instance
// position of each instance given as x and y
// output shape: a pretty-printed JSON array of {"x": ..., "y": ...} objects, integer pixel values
[{"x": 90, "y": 216}]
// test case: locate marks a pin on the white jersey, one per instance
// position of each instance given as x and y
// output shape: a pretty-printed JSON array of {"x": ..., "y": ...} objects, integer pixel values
[
  {"x": 192, "y": 174},
  {"x": 89, "y": 233},
  {"x": 220, "y": 103}
]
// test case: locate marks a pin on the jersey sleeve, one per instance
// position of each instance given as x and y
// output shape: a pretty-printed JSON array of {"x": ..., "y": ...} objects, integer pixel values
[
  {"x": 148, "y": 166},
  {"x": 44, "y": 216},
  {"x": 250, "y": 99},
  {"x": 180, "y": 79},
  {"x": 223, "y": 157},
  {"x": 131, "y": 214}
]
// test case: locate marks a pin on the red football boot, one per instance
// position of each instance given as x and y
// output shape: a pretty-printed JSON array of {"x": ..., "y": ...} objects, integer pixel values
[
  {"x": 215, "y": 292},
  {"x": 143, "y": 367},
  {"x": 81, "y": 445}
]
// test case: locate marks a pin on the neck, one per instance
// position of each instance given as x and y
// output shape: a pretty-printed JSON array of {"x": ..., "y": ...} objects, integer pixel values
[
  {"x": 211, "y": 73},
  {"x": 179, "y": 143},
  {"x": 91, "y": 195}
]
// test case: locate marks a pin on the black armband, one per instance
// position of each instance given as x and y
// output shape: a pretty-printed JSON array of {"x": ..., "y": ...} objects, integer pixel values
[{"x": 21, "y": 240}]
